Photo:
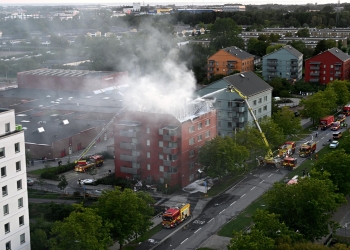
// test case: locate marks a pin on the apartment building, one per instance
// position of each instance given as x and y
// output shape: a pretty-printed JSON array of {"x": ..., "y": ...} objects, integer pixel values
[
  {"x": 163, "y": 147},
  {"x": 14, "y": 215}
]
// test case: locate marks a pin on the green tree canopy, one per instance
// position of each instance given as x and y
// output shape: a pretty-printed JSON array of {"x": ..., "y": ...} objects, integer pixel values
[
  {"x": 337, "y": 164},
  {"x": 222, "y": 155},
  {"x": 303, "y": 32},
  {"x": 224, "y": 33},
  {"x": 82, "y": 229},
  {"x": 127, "y": 211},
  {"x": 306, "y": 206},
  {"x": 286, "y": 120},
  {"x": 341, "y": 90}
]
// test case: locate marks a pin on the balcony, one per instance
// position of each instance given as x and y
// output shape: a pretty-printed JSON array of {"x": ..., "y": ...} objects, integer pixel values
[
  {"x": 172, "y": 151},
  {"x": 169, "y": 163},
  {"x": 238, "y": 119},
  {"x": 129, "y": 170},
  {"x": 337, "y": 73},
  {"x": 315, "y": 67},
  {"x": 337, "y": 67},
  {"x": 171, "y": 138},
  {"x": 294, "y": 63},
  {"x": 271, "y": 63},
  {"x": 128, "y": 133},
  {"x": 230, "y": 66},
  {"x": 314, "y": 80},
  {"x": 314, "y": 73},
  {"x": 132, "y": 158},
  {"x": 294, "y": 70},
  {"x": 272, "y": 69},
  {"x": 239, "y": 109},
  {"x": 128, "y": 145},
  {"x": 210, "y": 69}
]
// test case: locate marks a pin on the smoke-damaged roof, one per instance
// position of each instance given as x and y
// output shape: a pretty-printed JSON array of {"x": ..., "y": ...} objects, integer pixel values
[
  {"x": 68, "y": 73},
  {"x": 248, "y": 83},
  {"x": 237, "y": 52}
]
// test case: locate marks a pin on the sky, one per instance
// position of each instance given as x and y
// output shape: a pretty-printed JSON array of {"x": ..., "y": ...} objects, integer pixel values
[{"x": 155, "y": 2}]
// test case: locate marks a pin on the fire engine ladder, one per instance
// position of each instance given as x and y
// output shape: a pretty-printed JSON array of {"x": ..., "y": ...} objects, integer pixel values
[{"x": 98, "y": 136}]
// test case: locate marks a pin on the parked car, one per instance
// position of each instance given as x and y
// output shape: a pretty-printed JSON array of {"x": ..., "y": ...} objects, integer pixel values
[
  {"x": 87, "y": 182},
  {"x": 334, "y": 144},
  {"x": 296, "y": 114},
  {"x": 30, "y": 182}
]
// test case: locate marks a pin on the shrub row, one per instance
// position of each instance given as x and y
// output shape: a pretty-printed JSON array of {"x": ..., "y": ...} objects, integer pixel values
[{"x": 52, "y": 174}]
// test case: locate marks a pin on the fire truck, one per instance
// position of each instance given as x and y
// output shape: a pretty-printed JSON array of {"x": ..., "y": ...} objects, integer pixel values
[
  {"x": 346, "y": 109},
  {"x": 306, "y": 149},
  {"x": 175, "y": 215},
  {"x": 287, "y": 149},
  {"x": 326, "y": 122},
  {"x": 289, "y": 162},
  {"x": 84, "y": 165},
  {"x": 335, "y": 126},
  {"x": 341, "y": 118}
]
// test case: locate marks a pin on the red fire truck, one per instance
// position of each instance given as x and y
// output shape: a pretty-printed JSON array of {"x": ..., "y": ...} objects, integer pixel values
[{"x": 175, "y": 215}]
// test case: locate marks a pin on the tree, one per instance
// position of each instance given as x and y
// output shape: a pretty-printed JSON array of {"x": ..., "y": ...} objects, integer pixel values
[
  {"x": 303, "y": 32},
  {"x": 306, "y": 206},
  {"x": 83, "y": 229},
  {"x": 323, "y": 45},
  {"x": 341, "y": 90},
  {"x": 63, "y": 183},
  {"x": 222, "y": 155},
  {"x": 255, "y": 240},
  {"x": 224, "y": 33},
  {"x": 57, "y": 212},
  {"x": 286, "y": 120},
  {"x": 273, "y": 133},
  {"x": 337, "y": 164},
  {"x": 273, "y": 48},
  {"x": 128, "y": 212},
  {"x": 38, "y": 239}
]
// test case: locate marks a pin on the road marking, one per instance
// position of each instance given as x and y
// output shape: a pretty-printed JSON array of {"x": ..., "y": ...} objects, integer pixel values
[
  {"x": 184, "y": 241},
  {"x": 210, "y": 220},
  {"x": 270, "y": 175},
  {"x": 242, "y": 195},
  {"x": 261, "y": 181},
  {"x": 197, "y": 230},
  {"x": 277, "y": 170},
  {"x": 252, "y": 188},
  {"x": 232, "y": 203},
  {"x": 322, "y": 138},
  {"x": 222, "y": 211}
]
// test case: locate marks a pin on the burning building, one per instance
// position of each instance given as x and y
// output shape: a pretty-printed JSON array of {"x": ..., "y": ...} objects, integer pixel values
[{"x": 163, "y": 145}]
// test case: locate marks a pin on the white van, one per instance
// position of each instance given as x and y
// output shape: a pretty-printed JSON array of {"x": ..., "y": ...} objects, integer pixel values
[{"x": 277, "y": 98}]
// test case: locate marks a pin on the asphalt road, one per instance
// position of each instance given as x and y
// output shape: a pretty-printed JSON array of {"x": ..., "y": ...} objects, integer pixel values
[{"x": 223, "y": 208}]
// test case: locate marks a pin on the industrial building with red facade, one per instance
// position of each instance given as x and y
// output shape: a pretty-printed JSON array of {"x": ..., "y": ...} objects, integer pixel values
[{"x": 161, "y": 147}]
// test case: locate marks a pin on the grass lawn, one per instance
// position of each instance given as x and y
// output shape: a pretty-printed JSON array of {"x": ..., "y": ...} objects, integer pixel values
[
  {"x": 243, "y": 220},
  {"x": 40, "y": 171},
  {"x": 41, "y": 194}
]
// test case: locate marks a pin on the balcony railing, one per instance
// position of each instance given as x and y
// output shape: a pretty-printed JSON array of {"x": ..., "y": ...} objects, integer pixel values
[
  {"x": 238, "y": 109},
  {"x": 238, "y": 119},
  {"x": 172, "y": 151},
  {"x": 172, "y": 163},
  {"x": 294, "y": 70},
  {"x": 271, "y": 63},
  {"x": 129, "y": 170},
  {"x": 315, "y": 67},
  {"x": 337, "y": 74},
  {"x": 132, "y": 158},
  {"x": 315, "y": 74},
  {"x": 294, "y": 63},
  {"x": 127, "y": 133},
  {"x": 128, "y": 145},
  {"x": 272, "y": 69},
  {"x": 314, "y": 80},
  {"x": 172, "y": 138},
  {"x": 230, "y": 66}
]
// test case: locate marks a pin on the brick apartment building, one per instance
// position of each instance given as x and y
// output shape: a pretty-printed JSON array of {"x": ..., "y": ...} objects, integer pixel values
[{"x": 162, "y": 147}]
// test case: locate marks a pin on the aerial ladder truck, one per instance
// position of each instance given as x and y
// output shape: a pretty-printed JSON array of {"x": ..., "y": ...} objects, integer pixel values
[{"x": 269, "y": 159}]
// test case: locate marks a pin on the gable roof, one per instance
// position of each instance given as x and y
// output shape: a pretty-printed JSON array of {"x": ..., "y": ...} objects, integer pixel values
[
  {"x": 288, "y": 48},
  {"x": 237, "y": 52},
  {"x": 248, "y": 83},
  {"x": 339, "y": 54}
]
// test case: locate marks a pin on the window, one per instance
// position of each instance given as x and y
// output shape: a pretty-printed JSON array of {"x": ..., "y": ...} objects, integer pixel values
[
  {"x": 324, "y": 72},
  {"x": 3, "y": 172},
  {"x": 148, "y": 142},
  {"x": 148, "y": 155},
  {"x": 161, "y": 168},
  {"x": 148, "y": 166},
  {"x": 148, "y": 130},
  {"x": 2, "y": 152},
  {"x": 259, "y": 110},
  {"x": 331, "y": 78},
  {"x": 7, "y": 127},
  {"x": 17, "y": 147},
  {"x": 160, "y": 156},
  {"x": 192, "y": 153},
  {"x": 229, "y": 114},
  {"x": 200, "y": 125},
  {"x": 199, "y": 137},
  {"x": 4, "y": 190},
  {"x": 254, "y": 112},
  {"x": 254, "y": 102},
  {"x": 191, "y": 141},
  {"x": 219, "y": 133},
  {"x": 18, "y": 166},
  {"x": 207, "y": 122},
  {"x": 22, "y": 238},
  {"x": 8, "y": 245},
  {"x": 20, "y": 202},
  {"x": 218, "y": 104},
  {"x": 229, "y": 124},
  {"x": 6, "y": 209},
  {"x": 191, "y": 165},
  {"x": 21, "y": 220},
  {"x": 19, "y": 184},
  {"x": 207, "y": 134},
  {"x": 191, "y": 129},
  {"x": 230, "y": 104},
  {"x": 331, "y": 66},
  {"x": 219, "y": 124},
  {"x": 219, "y": 113},
  {"x": 260, "y": 100},
  {"x": 7, "y": 228},
  {"x": 161, "y": 144},
  {"x": 265, "y": 108}
]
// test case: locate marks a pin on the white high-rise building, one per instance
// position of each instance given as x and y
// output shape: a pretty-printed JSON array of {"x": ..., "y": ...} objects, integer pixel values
[{"x": 14, "y": 214}]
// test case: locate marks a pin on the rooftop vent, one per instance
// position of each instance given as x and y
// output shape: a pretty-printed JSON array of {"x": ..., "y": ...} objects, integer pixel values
[
  {"x": 41, "y": 130},
  {"x": 65, "y": 122},
  {"x": 242, "y": 75}
]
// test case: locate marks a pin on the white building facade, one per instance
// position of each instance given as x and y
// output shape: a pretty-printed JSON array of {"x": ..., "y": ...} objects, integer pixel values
[{"x": 14, "y": 213}]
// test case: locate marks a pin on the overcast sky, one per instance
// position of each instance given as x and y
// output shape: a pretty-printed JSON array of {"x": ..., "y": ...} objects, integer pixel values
[{"x": 154, "y": 2}]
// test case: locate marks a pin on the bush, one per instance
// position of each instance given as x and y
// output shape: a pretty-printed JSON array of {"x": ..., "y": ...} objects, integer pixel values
[
  {"x": 50, "y": 175},
  {"x": 120, "y": 182}
]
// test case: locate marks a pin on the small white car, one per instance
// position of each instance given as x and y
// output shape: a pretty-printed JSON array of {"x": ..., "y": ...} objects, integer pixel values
[{"x": 334, "y": 144}]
